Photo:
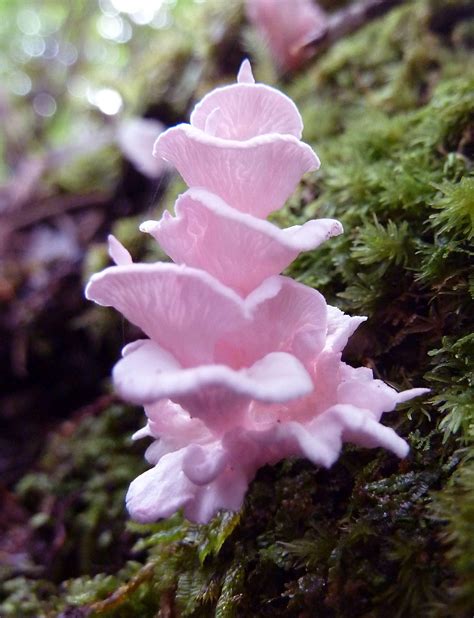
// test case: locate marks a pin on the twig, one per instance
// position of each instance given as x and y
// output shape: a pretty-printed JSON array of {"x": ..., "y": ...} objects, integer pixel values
[
  {"x": 19, "y": 192},
  {"x": 122, "y": 594},
  {"x": 52, "y": 207},
  {"x": 347, "y": 20}
]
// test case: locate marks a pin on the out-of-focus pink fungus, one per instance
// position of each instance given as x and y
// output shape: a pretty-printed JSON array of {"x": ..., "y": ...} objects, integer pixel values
[
  {"x": 135, "y": 137},
  {"x": 241, "y": 366},
  {"x": 287, "y": 26}
]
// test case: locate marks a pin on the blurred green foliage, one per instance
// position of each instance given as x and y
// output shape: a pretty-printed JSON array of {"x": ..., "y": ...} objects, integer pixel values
[{"x": 70, "y": 73}]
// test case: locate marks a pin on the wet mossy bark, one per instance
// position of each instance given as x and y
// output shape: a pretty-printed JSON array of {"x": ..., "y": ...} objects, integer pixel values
[{"x": 390, "y": 112}]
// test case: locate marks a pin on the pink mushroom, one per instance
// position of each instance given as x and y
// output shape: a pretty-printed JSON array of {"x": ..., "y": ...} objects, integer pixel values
[
  {"x": 287, "y": 26},
  {"x": 240, "y": 366}
]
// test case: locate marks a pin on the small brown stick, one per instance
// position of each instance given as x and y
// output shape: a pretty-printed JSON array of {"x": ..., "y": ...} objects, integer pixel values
[
  {"x": 122, "y": 594},
  {"x": 52, "y": 207}
]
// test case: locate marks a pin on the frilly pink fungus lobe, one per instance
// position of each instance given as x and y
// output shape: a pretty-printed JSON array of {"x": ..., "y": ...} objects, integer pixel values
[{"x": 241, "y": 366}]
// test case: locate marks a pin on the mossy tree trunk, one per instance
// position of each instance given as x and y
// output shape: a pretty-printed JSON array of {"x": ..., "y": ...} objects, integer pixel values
[{"x": 390, "y": 112}]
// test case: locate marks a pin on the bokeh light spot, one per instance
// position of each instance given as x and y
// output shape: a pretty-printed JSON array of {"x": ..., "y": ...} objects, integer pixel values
[
  {"x": 20, "y": 83},
  {"x": 33, "y": 46},
  {"x": 44, "y": 105},
  {"x": 28, "y": 22},
  {"x": 67, "y": 54},
  {"x": 107, "y": 100},
  {"x": 109, "y": 27}
]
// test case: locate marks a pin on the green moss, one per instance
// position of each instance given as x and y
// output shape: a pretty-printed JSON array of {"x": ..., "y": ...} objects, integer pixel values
[
  {"x": 456, "y": 208},
  {"x": 84, "y": 473}
]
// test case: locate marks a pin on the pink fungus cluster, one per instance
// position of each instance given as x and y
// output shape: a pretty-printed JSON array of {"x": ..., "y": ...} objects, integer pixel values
[{"x": 240, "y": 366}]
